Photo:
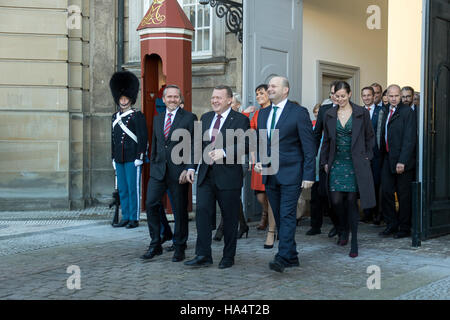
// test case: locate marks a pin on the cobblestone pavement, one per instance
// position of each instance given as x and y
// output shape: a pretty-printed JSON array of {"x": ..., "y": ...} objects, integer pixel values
[{"x": 36, "y": 250}]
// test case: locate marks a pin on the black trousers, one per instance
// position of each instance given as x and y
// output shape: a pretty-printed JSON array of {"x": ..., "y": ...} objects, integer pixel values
[
  {"x": 179, "y": 192},
  {"x": 321, "y": 204},
  {"x": 229, "y": 203},
  {"x": 400, "y": 183}
]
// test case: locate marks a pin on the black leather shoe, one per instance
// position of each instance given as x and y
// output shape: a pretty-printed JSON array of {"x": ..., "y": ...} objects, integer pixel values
[
  {"x": 132, "y": 224},
  {"x": 387, "y": 232},
  {"x": 226, "y": 263},
  {"x": 178, "y": 255},
  {"x": 293, "y": 264},
  {"x": 121, "y": 224},
  {"x": 171, "y": 248},
  {"x": 402, "y": 234},
  {"x": 151, "y": 253},
  {"x": 276, "y": 266},
  {"x": 199, "y": 261},
  {"x": 333, "y": 232},
  {"x": 313, "y": 232}
]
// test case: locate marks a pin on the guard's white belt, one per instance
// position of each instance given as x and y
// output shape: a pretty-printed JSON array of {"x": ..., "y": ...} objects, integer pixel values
[{"x": 124, "y": 127}]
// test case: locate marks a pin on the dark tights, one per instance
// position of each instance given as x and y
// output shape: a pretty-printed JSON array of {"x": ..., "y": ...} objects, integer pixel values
[{"x": 346, "y": 208}]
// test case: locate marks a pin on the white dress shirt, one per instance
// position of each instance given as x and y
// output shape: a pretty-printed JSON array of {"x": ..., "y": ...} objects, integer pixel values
[
  {"x": 280, "y": 106},
  {"x": 372, "y": 109},
  {"x": 173, "y": 116},
  {"x": 222, "y": 121},
  {"x": 389, "y": 118}
]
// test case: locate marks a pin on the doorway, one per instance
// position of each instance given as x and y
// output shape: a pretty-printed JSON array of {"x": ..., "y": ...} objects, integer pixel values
[
  {"x": 436, "y": 124},
  {"x": 329, "y": 72}
]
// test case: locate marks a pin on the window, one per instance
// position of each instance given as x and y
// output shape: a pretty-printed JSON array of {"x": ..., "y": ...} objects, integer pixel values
[{"x": 201, "y": 18}]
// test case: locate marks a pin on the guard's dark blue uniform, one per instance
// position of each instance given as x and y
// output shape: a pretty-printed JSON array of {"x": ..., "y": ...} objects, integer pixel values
[{"x": 129, "y": 140}]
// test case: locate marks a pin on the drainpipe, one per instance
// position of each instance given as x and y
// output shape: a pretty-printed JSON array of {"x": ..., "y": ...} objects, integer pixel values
[{"x": 120, "y": 30}]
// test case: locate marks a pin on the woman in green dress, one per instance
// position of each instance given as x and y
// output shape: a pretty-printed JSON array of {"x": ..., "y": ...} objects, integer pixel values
[{"x": 346, "y": 154}]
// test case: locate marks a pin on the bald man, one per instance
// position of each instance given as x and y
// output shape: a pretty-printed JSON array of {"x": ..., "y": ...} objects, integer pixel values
[
  {"x": 398, "y": 145},
  {"x": 297, "y": 164}
]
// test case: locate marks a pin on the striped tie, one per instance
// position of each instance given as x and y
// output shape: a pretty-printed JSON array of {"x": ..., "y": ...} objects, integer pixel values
[{"x": 168, "y": 125}]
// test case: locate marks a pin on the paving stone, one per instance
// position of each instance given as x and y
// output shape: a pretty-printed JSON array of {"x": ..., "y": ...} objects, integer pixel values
[{"x": 33, "y": 264}]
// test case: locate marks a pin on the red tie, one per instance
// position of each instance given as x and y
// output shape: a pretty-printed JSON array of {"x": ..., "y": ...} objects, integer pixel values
[
  {"x": 389, "y": 119},
  {"x": 215, "y": 130},
  {"x": 168, "y": 125},
  {"x": 369, "y": 109}
]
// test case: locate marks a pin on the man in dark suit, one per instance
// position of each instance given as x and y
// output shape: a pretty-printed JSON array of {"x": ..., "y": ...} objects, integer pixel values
[
  {"x": 378, "y": 94},
  {"x": 297, "y": 163},
  {"x": 376, "y": 116},
  {"x": 220, "y": 177},
  {"x": 398, "y": 145},
  {"x": 165, "y": 174},
  {"x": 316, "y": 215}
]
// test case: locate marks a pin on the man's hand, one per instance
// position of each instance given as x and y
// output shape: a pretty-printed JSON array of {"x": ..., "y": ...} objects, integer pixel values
[
  {"x": 325, "y": 168},
  {"x": 182, "y": 179},
  {"x": 138, "y": 162},
  {"x": 400, "y": 168},
  {"x": 190, "y": 176},
  {"x": 258, "y": 167},
  {"x": 307, "y": 184},
  {"x": 250, "y": 109},
  {"x": 217, "y": 154}
]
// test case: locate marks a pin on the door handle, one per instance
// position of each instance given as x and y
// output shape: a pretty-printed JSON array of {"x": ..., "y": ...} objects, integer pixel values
[{"x": 441, "y": 66}]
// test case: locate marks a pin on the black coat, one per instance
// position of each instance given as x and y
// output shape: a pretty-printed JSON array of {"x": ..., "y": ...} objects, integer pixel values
[
  {"x": 123, "y": 147},
  {"x": 160, "y": 157},
  {"x": 226, "y": 176},
  {"x": 363, "y": 141},
  {"x": 318, "y": 128},
  {"x": 402, "y": 138}
]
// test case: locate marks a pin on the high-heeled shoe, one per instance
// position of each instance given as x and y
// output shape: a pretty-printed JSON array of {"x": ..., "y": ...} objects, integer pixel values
[
  {"x": 343, "y": 239},
  {"x": 242, "y": 231},
  {"x": 264, "y": 221},
  {"x": 270, "y": 246},
  {"x": 353, "y": 252}
]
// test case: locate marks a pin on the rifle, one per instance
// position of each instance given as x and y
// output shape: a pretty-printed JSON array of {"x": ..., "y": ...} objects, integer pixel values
[{"x": 115, "y": 202}]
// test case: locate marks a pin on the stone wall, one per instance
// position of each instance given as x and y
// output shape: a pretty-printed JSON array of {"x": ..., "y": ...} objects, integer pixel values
[{"x": 37, "y": 90}]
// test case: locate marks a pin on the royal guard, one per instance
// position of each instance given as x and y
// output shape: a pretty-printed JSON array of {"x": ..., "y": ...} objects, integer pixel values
[{"x": 128, "y": 146}]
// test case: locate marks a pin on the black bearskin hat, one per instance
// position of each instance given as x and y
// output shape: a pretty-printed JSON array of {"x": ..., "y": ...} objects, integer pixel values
[{"x": 124, "y": 83}]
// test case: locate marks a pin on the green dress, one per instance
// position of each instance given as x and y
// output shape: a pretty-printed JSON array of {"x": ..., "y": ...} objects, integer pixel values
[{"x": 342, "y": 173}]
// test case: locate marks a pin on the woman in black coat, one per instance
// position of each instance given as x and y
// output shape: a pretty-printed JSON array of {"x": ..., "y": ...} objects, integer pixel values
[{"x": 346, "y": 153}]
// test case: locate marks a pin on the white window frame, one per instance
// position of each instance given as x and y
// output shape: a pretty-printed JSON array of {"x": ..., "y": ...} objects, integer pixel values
[{"x": 195, "y": 54}]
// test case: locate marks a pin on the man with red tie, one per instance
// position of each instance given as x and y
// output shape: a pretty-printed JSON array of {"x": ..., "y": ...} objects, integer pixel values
[
  {"x": 397, "y": 173},
  {"x": 167, "y": 175},
  {"x": 220, "y": 178}
]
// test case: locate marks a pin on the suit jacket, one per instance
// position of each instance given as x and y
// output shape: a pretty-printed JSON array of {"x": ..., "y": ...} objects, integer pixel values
[
  {"x": 297, "y": 146},
  {"x": 227, "y": 176},
  {"x": 160, "y": 158},
  {"x": 123, "y": 147},
  {"x": 363, "y": 140},
  {"x": 318, "y": 128},
  {"x": 401, "y": 137}
]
